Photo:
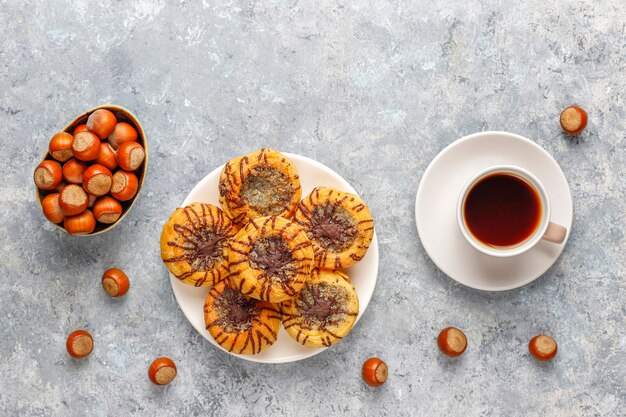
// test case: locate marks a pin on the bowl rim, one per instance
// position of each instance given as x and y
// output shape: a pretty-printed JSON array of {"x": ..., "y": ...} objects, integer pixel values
[{"x": 140, "y": 134}]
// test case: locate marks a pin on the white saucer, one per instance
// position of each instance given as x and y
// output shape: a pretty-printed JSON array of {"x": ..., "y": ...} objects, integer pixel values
[
  {"x": 363, "y": 274},
  {"x": 435, "y": 210}
]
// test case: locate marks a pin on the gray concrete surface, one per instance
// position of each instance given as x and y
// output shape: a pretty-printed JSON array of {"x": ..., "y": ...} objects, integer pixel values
[{"x": 372, "y": 89}]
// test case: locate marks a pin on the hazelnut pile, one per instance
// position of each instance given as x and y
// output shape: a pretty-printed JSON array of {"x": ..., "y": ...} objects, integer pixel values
[{"x": 90, "y": 174}]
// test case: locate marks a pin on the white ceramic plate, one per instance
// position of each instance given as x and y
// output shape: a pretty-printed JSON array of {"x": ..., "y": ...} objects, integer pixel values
[
  {"x": 363, "y": 274},
  {"x": 435, "y": 210}
]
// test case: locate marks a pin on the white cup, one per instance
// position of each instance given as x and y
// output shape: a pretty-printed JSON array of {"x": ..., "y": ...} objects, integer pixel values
[{"x": 545, "y": 230}]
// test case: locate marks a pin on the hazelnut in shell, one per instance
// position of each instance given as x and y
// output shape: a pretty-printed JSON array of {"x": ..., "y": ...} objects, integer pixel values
[
  {"x": 80, "y": 128},
  {"x": 130, "y": 155},
  {"x": 48, "y": 175},
  {"x": 375, "y": 372},
  {"x": 81, "y": 224},
  {"x": 107, "y": 210},
  {"x": 73, "y": 171},
  {"x": 79, "y": 344},
  {"x": 97, "y": 180},
  {"x": 123, "y": 132},
  {"x": 542, "y": 347},
  {"x": 60, "y": 146},
  {"x": 162, "y": 371},
  {"x": 124, "y": 186},
  {"x": 573, "y": 120},
  {"x": 106, "y": 157},
  {"x": 59, "y": 187},
  {"x": 101, "y": 122},
  {"x": 86, "y": 146},
  {"x": 452, "y": 341},
  {"x": 52, "y": 209},
  {"x": 73, "y": 200},
  {"x": 115, "y": 282},
  {"x": 92, "y": 200}
]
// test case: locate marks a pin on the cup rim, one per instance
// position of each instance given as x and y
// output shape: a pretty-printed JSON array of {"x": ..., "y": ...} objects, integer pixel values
[{"x": 518, "y": 248}]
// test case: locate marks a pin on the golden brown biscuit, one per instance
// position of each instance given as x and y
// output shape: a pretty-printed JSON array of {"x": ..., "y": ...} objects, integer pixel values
[
  {"x": 263, "y": 183},
  {"x": 270, "y": 259},
  {"x": 324, "y": 311},
  {"x": 338, "y": 224},
  {"x": 238, "y": 323},
  {"x": 195, "y": 242}
]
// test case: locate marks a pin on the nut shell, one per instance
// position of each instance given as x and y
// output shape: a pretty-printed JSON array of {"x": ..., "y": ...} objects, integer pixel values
[
  {"x": 81, "y": 224},
  {"x": 123, "y": 132},
  {"x": 60, "y": 146},
  {"x": 130, "y": 156},
  {"x": 573, "y": 120},
  {"x": 115, "y": 282},
  {"x": 97, "y": 180},
  {"x": 107, "y": 210},
  {"x": 86, "y": 146},
  {"x": 124, "y": 185},
  {"x": 162, "y": 371},
  {"x": 73, "y": 200},
  {"x": 92, "y": 200},
  {"x": 59, "y": 187},
  {"x": 48, "y": 175},
  {"x": 452, "y": 341},
  {"x": 73, "y": 171},
  {"x": 79, "y": 344},
  {"x": 80, "y": 128},
  {"x": 52, "y": 209},
  {"x": 106, "y": 157},
  {"x": 542, "y": 347},
  {"x": 375, "y": 372},
  {"x": 101, "y": 122}
]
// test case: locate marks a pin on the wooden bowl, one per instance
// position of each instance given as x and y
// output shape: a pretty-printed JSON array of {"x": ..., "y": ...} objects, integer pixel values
[{"x": 122, "y": 115}]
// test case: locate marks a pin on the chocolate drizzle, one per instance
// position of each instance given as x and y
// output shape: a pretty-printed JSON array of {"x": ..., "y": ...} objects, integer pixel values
[
  {"x": 332, "y": 227},
  {"x": 272, "y": 255},
  {"x": 237, "y": 312},
  {"x": 201, "y": 239},
  {"x": 329, "y": 230},
  {"x": 323, "y": 312},
  {"x": 210, "y": 248},
  {"x": 202, "y": 247},
  {"x": 321, "y": 309},
  {"x": 238, "y": 323},
  {"x": 322, "y": 305}
]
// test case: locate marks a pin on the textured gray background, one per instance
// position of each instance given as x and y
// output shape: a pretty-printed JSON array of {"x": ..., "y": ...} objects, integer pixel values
[{"x": 372, "y": 89}]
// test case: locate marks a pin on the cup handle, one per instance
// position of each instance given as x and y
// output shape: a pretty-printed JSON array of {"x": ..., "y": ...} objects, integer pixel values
[{"x": 555, "y": 233}]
